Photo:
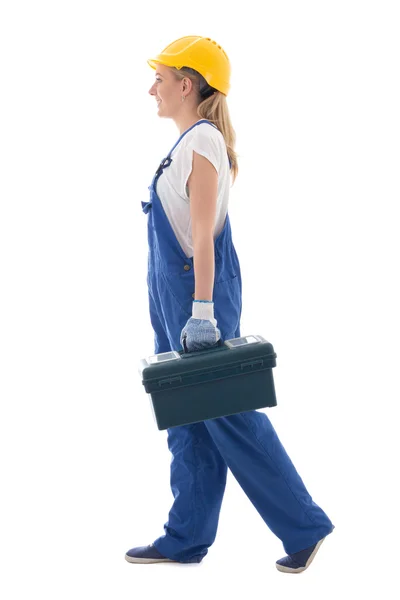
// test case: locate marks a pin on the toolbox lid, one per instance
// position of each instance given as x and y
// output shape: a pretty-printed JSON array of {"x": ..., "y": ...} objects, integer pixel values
[{"x": 234, "y": 356}]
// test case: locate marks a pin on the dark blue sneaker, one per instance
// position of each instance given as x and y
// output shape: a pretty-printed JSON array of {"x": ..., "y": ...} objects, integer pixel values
[
  {"x": 146, "y": 554},
  {"x": 299, "y": 561}
]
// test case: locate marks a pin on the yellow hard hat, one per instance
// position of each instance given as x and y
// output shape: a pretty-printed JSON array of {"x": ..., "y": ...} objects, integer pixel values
[{"x": 199, "y": 53}]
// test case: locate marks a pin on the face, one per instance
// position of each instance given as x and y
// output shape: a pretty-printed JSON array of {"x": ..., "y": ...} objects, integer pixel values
[{"x": 167, "y": 91}]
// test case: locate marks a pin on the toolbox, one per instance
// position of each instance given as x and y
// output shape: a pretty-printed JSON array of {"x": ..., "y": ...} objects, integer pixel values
[{"x": 232, "y": 377}]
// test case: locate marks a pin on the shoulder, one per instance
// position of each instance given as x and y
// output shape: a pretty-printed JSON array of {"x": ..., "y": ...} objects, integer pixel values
[
  {"x": 205, "y": 131},
  {"x": 206, "y": 136}
]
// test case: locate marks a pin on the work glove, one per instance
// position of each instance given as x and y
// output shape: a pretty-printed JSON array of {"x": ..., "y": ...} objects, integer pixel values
[{"x": 201, "y": 331}]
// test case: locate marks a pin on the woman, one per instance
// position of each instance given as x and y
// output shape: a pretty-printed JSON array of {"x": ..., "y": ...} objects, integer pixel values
[{"x": 194, "y": 282}]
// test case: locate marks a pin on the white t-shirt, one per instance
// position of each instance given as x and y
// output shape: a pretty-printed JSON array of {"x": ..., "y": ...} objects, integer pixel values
[{"x": 172, "y": 189}]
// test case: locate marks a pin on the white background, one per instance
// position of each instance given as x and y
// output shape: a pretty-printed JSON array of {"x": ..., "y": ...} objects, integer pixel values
[{"x": 84, "y": 470}]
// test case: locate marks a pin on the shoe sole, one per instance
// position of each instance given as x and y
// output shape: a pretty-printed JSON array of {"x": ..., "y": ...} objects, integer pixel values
[
  {"x": 135, "y": 559},
  {"x": 300, "y": 569}
]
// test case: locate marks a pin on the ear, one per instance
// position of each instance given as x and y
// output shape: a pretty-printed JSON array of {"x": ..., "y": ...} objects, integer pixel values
[{"x": 187, "y": 84}]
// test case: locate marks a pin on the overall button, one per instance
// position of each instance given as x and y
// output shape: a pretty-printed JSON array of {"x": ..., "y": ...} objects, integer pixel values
[
  {"x": 186, "y": 267},
  {"x": 193, "y": 295}
]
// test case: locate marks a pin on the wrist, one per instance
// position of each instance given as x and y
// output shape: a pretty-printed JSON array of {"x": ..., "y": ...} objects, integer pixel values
[{"x": 203, "y": 310}]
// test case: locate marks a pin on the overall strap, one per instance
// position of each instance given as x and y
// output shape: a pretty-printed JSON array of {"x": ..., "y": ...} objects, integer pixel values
[
  {"x": 167, "y": 160},
  {"x": 187, "y": 131}
]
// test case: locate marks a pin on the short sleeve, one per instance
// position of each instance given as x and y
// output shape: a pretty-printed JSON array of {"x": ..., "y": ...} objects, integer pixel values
[{"x": 207, "y": 144}]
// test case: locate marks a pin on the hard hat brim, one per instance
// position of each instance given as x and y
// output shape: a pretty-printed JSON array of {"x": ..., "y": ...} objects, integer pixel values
[{"x": 154, "y": 62}]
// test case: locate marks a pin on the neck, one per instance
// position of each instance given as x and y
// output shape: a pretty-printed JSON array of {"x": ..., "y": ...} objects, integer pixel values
[{"x": 185, "y": 122}]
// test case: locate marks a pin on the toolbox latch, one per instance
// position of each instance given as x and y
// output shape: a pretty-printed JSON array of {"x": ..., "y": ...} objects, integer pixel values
[{"x": 254, "y": 363}]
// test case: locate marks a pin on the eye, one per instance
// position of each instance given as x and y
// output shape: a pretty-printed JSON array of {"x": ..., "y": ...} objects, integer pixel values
[{"x": 158, "y": 79}]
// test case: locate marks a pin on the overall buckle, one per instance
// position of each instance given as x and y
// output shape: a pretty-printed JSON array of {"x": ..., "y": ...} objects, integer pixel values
[{"x": 164, "y": 163}]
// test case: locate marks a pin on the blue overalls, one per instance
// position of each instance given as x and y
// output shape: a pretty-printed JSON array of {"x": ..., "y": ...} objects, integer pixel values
[{"x": 246, "y": 442}]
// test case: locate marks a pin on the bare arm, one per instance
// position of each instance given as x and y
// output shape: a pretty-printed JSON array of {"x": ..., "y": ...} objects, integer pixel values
[{"x": 203, "y": 190}]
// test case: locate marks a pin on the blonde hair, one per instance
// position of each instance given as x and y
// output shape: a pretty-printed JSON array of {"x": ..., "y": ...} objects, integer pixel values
[{"x": 213, "y": 107}]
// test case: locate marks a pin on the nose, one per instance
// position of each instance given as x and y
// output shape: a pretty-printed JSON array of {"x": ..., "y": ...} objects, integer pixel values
[{"x": 151, "y": 92}]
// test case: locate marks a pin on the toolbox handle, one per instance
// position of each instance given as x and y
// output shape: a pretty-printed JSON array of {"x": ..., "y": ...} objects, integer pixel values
[{"x": 219, "y": 345}]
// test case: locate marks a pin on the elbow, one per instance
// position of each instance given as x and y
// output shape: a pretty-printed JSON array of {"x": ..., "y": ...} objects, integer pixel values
[
  {"x": 201, "y": 233},
  {"x": 203, "y": 240}
]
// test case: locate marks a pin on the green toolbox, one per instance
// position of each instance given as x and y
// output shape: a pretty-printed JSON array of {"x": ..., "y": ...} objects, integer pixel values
[{"x": 234, "y": 376}]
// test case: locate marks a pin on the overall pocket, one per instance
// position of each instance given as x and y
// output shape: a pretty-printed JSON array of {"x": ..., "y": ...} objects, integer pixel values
[{"x": 181, "y": 292}]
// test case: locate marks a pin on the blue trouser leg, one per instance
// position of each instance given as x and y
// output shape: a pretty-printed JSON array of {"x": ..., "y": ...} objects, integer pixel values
[
  {"x": 198, "y": 479},
  {"x": 253, "y": 452},
  {"x": 248, "y": 444}
]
